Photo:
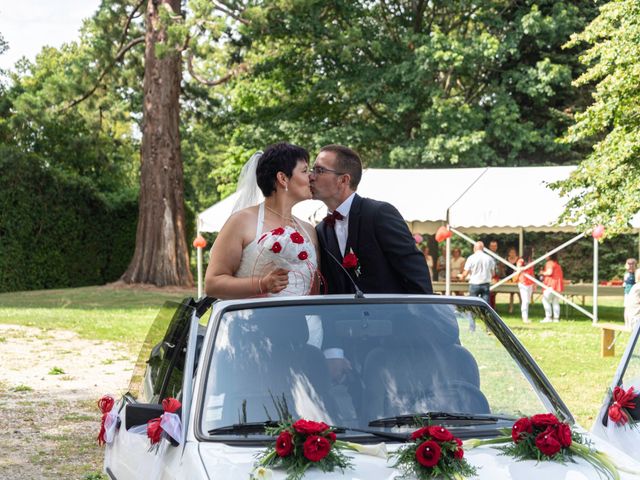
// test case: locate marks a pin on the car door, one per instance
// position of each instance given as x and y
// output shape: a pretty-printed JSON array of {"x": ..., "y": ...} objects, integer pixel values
[
  {"x": 159, "y": 373},
  {"x": 624, "y": 437}
]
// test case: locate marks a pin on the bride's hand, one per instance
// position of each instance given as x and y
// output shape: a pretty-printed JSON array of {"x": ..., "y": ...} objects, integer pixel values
[{"x": 275, "y": 281}]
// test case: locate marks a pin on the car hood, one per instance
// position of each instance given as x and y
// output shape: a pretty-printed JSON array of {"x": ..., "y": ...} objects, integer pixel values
[{"x": 226, "y": 461}]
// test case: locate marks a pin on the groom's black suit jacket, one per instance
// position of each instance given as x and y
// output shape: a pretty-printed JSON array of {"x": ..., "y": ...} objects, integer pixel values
[{"x": 389, "y": 260}]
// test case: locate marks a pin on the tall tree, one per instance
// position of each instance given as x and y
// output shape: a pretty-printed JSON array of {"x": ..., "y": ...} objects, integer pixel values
[{"x": 605, "y": 187}]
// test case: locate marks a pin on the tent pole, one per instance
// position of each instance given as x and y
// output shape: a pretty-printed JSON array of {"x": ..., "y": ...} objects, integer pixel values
[
  {"x": 199, "y": 257},
  {"x": 447, "y": 271},
  {"x": 595, "y": 280},
  {"x": 521, "y": 242}
]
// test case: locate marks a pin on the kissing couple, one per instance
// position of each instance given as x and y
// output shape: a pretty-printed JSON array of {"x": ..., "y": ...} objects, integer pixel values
[{"x": 362, "y": 245}]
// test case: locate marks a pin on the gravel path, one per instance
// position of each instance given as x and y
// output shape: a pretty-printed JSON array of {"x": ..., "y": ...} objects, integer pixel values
[{"x": 49, "y": 384}]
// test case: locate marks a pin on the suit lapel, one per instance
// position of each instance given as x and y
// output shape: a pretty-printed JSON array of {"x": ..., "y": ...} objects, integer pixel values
[{"x": 354, "y": 223}]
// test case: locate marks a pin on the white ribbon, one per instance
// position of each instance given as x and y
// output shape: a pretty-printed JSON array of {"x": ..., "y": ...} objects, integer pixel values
[
  {"x": 110, "y": 424},
  {"x": 171, "y": 423}
]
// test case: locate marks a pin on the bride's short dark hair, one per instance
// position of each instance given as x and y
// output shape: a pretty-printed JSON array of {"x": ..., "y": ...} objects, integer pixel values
[{"x": 280, "y": 157}]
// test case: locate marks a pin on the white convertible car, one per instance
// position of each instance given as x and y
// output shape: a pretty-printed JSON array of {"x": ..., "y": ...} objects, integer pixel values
[{"x": 366, "y": 366}]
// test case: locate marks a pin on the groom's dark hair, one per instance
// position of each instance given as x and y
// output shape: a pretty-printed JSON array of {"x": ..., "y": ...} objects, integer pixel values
[
  {"x": 280, "y": 157},
  {"x": 347, "y": 161}
]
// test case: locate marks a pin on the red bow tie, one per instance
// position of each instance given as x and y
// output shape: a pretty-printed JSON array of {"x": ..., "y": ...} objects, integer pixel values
[{"x": 331, "y": 218}]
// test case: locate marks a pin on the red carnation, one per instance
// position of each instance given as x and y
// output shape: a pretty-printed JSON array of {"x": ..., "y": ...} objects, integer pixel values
[
  {"x": 303, "y": 255},
  {"x": 421, "y": 432},
  {"x": 428, "y": 453},
  {"x": 459, "y": 453},
  {"x": 543, "y": 420},
  {"x": 284, "y": 444},
  {"x": 277, "y": 231},
  {"x": 563, "y": 433},
  {"x": 331, "y": 437},
  {"x": 154, "y": 430},
  {"x": 297, "y": 238},
  {"x": 440, "y": 434},
  {"x": 315, "y": 448},
  {"x": 309, "y": 427},
  {"x": 171, "y": 405},
  {"x": 350, "y": 260},
  {"x": 520, "y": 427},
  {"x": 548, "y": 443},
  {"x": 276, "y": 248}
]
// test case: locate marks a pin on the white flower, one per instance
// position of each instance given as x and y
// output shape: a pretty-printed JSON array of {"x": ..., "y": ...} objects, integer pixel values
[
  {"x": 377, "y": 450},
  {"x": 285, "y": 246},
  {"x": 261, "y": 473}
]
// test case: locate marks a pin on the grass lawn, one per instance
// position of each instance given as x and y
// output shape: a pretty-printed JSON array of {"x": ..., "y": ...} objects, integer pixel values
[{"x": 568, "y": 352}]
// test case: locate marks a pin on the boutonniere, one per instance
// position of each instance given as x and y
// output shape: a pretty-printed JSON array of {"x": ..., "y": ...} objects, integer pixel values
[{"x": 350, "y": 261}]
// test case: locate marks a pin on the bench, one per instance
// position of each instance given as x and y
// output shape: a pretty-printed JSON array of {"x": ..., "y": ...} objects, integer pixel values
[{"x": 607, "y": 341}]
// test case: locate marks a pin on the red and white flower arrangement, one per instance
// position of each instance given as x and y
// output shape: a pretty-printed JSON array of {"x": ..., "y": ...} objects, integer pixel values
[
  {"x": 621, "y": 403},
  {"x": 433, "y": 453},
  {"x": 108, "y": 421},
  {"x": 286, "y": 246},
  {"x": 544, "y": 437},
  {"x": 301, "y": 445},
  {"x": 167, "y": 425}
]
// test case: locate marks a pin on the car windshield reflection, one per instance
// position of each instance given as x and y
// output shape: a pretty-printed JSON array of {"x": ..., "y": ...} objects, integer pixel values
[{"x": 360, "y": 365}]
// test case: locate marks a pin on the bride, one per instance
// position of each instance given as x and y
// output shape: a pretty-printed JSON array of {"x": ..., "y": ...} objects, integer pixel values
[{"x": 263, "y": 249}]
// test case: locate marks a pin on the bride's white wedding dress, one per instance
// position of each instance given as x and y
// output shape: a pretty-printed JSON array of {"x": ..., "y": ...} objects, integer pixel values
[{"x": 258, "y": 260}]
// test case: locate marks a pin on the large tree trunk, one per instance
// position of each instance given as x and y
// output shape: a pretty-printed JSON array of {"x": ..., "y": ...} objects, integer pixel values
[{"x": 161, "y": 254}]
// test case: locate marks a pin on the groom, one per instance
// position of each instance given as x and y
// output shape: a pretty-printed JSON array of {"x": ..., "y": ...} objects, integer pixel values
[{"x": 368, "y": 237}]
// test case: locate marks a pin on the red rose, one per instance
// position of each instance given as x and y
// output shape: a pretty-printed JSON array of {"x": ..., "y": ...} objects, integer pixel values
[
  {"x": 309, "y": 427},
  {"x": 543, "y": 420},
  {"x": 331, "y": 437},
  {"x": 350, "y": 260},
  {"x": 421, "y": 432},
  {"x": 440, "y": 434},
  {"x": 297, "y": 238},
  {"x": 616, "y": 414},
  {"x": 303, "y": 255},
  {"x": 277, "y": 231},
  {"x": 171, "y": 405},
  {"x": 520, "y": 427},
  {"x": 154, "y": 430},
  {"x": 284, "y": 444},
  {"x": 315, "y": 448},
  {"x": 428, "y": 453},
  {"x": 548, "y": 443},
  {"x": 276, "y": 248},
  {"x": 459, "y": 453},
  {"x": 563, "y": 432}
]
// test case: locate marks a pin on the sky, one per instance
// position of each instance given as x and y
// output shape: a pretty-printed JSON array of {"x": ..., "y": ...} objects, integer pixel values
[{"x": 29, "y": 25}]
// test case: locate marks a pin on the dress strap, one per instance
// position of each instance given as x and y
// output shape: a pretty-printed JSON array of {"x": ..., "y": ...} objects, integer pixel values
[{"x": 260, "y": 219}]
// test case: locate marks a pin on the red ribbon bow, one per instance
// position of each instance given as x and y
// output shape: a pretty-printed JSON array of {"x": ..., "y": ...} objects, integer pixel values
[
  {"x": 154, "y": 428},
  {"x": 621, "y": 401},
  {"x": 105, "y": 404},
  {"x": 331, "y": 218}
]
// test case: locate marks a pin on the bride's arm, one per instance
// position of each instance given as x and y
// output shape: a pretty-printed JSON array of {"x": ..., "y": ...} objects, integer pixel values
[{"x": 226, "y": 255}]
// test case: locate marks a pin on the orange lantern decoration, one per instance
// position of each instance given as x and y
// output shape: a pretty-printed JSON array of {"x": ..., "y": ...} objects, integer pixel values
[
  {"x": 442, "y": 234},
  {"x": 598, "y": 232},
  {"x": 199, "y": 242}
]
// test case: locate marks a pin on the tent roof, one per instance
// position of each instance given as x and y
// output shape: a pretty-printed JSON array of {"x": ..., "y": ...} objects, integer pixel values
[{"x": 499, "y": 199}]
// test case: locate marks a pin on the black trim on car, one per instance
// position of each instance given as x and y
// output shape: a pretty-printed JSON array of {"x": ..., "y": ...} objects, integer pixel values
[{"x": 110, "y": 473}]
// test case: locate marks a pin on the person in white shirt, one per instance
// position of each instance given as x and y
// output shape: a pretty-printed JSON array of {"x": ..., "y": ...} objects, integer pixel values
[
  {"x": 632, "y": 304},
  {"x": 480, "y": 268}
]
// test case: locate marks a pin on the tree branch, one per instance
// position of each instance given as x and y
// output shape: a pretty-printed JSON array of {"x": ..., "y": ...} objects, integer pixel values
[
  {"x": 224, "y": 8},
  {"x": 212, "y": 83},
  {"x": 128, "y": 23}
]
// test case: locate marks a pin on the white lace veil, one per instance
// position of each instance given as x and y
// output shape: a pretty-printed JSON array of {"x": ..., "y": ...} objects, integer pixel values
[{"x": 249, "y": 193}]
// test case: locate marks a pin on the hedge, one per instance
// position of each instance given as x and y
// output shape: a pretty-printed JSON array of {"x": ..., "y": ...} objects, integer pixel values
[{"x": 57, "y": 231}]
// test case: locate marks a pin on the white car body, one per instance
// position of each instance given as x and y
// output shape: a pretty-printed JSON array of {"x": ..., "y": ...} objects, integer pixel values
[{"x": 128, "y": 457}]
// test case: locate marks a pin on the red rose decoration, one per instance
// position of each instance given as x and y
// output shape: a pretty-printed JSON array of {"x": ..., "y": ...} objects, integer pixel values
[
  {"x": 459, "y": 453},
  {"x": 548, "y": 443},
  {"x": 284, "y": 444},
  {"x": 563, "y": 432},
  {"x": 171, "y": 405},
  {"x": 428, "y": 453},
  {"x": 544, "y": 420},
  {"x": 297, "y": 238},
  {"x": 154, "y": 430},
  {"x": 277, "y": 231},
  {"x": 421, "y": 432},
  {"x": 331, "y": 437},
  {"x": 315, "y": 448},
  {"x": 616, "y": 414},
  {"x": 303, "y": 255},
  {"x": 350, "y": 260},
  {"x": 276, "y": 248},
  {"x": 309, "y": 427},
  {"x": 521, "y": 426},
  {"x": 440, "y": 434}
]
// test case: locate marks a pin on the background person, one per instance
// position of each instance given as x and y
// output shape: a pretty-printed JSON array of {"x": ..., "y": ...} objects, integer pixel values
[
  {"x": 498, "y": 272},
  {"x": 526, "y": 287},
  {"x": 480, "y": 268},
  {"x": 553, "y": 278},
  {"x": 429, "y": 259},
  {"x": 512, "y": 258},
  {"x": 629, "y": 278},
  {"x": 632, "y": 303}
]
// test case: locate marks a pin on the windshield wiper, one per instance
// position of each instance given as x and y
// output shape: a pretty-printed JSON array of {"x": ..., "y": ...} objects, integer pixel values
[
  {"x": 243, "y": 428},
  {"x": 402, "y": 420},
  {"x": 400, "y": 437}
]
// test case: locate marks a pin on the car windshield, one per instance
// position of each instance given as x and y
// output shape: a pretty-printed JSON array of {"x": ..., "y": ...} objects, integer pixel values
[{"x": 367, "y": 366}]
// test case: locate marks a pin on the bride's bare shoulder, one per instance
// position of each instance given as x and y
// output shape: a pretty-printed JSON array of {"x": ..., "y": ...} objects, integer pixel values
[
  {"x": 244, "y": 219},
  {"x": 308, "y": 228}
]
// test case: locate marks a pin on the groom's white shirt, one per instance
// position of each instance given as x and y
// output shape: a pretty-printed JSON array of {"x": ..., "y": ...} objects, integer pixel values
[{"x": 342, "y": 226}]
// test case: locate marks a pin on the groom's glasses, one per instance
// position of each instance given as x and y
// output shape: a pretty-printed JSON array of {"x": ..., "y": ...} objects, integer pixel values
[{"x": 320, "y": 170}]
